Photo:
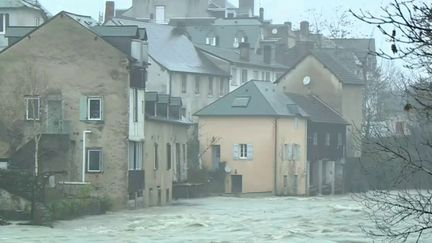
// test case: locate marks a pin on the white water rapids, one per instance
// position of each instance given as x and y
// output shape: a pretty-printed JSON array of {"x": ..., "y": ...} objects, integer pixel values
[{"x": 219, "y": 219}]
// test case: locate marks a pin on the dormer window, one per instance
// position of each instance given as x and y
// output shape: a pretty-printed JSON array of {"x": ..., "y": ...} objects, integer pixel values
[
  {"x": 240, "y": 37},
  {"x": 4, "y": 18},
  {"x": 211, "y": 39}
]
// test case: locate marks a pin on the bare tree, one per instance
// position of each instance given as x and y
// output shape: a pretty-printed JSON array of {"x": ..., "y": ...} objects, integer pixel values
[
  {"x": 339, "y": 26},
  {"x": 406, "y": 213}
]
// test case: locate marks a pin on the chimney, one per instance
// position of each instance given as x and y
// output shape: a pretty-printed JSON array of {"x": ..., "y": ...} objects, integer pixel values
[
  {"x": 244, "y": 51},
  {"x": 289, "y": 25},
  {"x": 246, "y": 8},
  {"x": 267, "y": 54},
  {"x": 304, "y": 27},
  {"x": 109, "y": 10},
  {"x": 261, "y": 14}
]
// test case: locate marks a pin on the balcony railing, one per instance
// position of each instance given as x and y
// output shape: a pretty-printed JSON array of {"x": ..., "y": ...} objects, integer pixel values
[{"x": 58, "y": 127}]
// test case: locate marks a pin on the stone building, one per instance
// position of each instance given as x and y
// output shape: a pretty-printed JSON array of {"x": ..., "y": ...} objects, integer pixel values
[{"x": 78, "y": 95}]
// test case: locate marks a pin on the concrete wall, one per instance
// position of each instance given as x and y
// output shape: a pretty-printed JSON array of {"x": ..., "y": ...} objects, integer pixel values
[
  {"x": 162, "y": 133},
  {"x": 73, "y": 63},
  {"x": 173, "y": 9},
  {"x": 344, "y": 98},
  {"x": 259, "y": 173},
  {"x": 20, "y": 17}
]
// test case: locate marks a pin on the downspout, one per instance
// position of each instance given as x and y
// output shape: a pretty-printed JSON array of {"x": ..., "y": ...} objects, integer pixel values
[
  {"x": 275, "y": 154},
  {"x": 170, "y": 84}
]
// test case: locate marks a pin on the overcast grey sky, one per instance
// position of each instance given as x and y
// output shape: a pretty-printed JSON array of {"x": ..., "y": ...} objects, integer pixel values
[{"x": 277, "y": 10}]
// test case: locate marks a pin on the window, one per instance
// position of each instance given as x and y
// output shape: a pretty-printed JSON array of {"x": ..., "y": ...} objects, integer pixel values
[
  {"x": 256, "y": 75},
  {"x": 291, "y": 152},
  {"x": 94, "y": 160},
  {"x": 296, "y": 123},
  {"x": 234, "y": 77},
  {"x": 210, "y": 86},
  {"x": 244, "y": 76},
  {"x": 315, "y": 138},
  {"x": 135, "y": 155},
  {"x": 267, "y": 78},
  {"x": 243, "y": 152},
  {"x": 340, "y": 139},
  {"x": 135, "y": 105},
  {"x": 197, "y": 84},
  {"x": 211, "y": 40},
  {"x": 168, "y": 154},
  {"x": 184, "y": 83},
  {"x": 4, "y": 19},
  {"x": 160, "y": 14},
  {"x": 37, "y": 21},
  {"x": 162, "y": 110},
  {"x": 94, "y": 108},
  {"x": 156, "y": 157},
  {"x": 150, "y": 108},
  {"x": 221, "y": 87},
  {"x": 327, "y": 141},
  {"x": 32, "y": 108}
]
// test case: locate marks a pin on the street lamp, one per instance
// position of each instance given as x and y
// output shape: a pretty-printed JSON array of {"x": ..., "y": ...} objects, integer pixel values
[{"x": 84, "y": 155}]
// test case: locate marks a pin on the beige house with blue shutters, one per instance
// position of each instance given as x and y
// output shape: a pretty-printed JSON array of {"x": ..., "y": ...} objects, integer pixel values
[
  {"x": 263, "y": 140},
  {"x": 257, "y": 137}
]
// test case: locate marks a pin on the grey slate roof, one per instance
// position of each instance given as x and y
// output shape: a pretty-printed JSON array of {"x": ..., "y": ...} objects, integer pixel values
[
  {"x": 172, "y": 50},
  {"x": 266, "y": 99},
  {"x": 24, "y": 3},
  {"x": 327, "y": 57},
  {"x": 233, "y": 55},
  {"x": 226, "y": 30},
  {"x": 317, "y": 110}
]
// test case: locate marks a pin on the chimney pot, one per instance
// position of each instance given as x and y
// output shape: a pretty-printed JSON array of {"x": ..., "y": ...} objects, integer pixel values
[{"x": 304, "y": 27}]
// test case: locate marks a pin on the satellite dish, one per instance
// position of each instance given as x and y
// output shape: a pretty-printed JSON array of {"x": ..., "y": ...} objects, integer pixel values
[
  {"x": 227, "y": 169},
  {"x": 306, "y": 80}
]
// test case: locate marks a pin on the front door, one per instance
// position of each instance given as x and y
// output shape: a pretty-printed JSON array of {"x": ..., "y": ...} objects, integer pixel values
[
  {"x": 216, "y": 152},
  {"x": 54, "y": 116},
  {"x": 236, "y": 183}
]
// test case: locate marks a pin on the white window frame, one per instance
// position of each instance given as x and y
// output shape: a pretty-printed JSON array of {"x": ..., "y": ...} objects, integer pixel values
[
  {"x": 27, "y": 99},
  {"x": 3, "y": 16},
  {"x": 88, "y": 160},
  {"x": 211, "y": 86},
  {"x": 243, "y": 151},
  {"x": 89, "y": 99},
  {"x": 136, "y": 156}
]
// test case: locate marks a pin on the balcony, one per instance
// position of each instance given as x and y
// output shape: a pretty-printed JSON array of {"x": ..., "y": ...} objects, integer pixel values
[{"x": 59, "y": 127}]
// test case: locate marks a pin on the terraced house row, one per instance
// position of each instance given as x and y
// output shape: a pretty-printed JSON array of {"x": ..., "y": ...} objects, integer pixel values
[{"x": 115, "y": 105}]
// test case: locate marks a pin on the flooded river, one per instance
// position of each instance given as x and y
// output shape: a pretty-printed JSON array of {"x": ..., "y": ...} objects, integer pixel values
[{"x": 219, "y": 219}]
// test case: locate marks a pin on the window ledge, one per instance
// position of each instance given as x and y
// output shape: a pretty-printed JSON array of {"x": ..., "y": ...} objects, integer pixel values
[{"x": 94, "y": 121}]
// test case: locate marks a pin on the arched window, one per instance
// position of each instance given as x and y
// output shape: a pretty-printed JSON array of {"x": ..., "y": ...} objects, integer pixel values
[{"x": 240, "y": 37}]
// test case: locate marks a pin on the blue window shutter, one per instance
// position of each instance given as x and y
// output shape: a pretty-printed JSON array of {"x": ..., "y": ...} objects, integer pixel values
[
  {"x": 83, "y": 108},
  {"x": 236, "y": 152},
  {"x": 290, "y": 151},
  {"x": 250, "y": 152},
  {"x": 297, "y": 152}
]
